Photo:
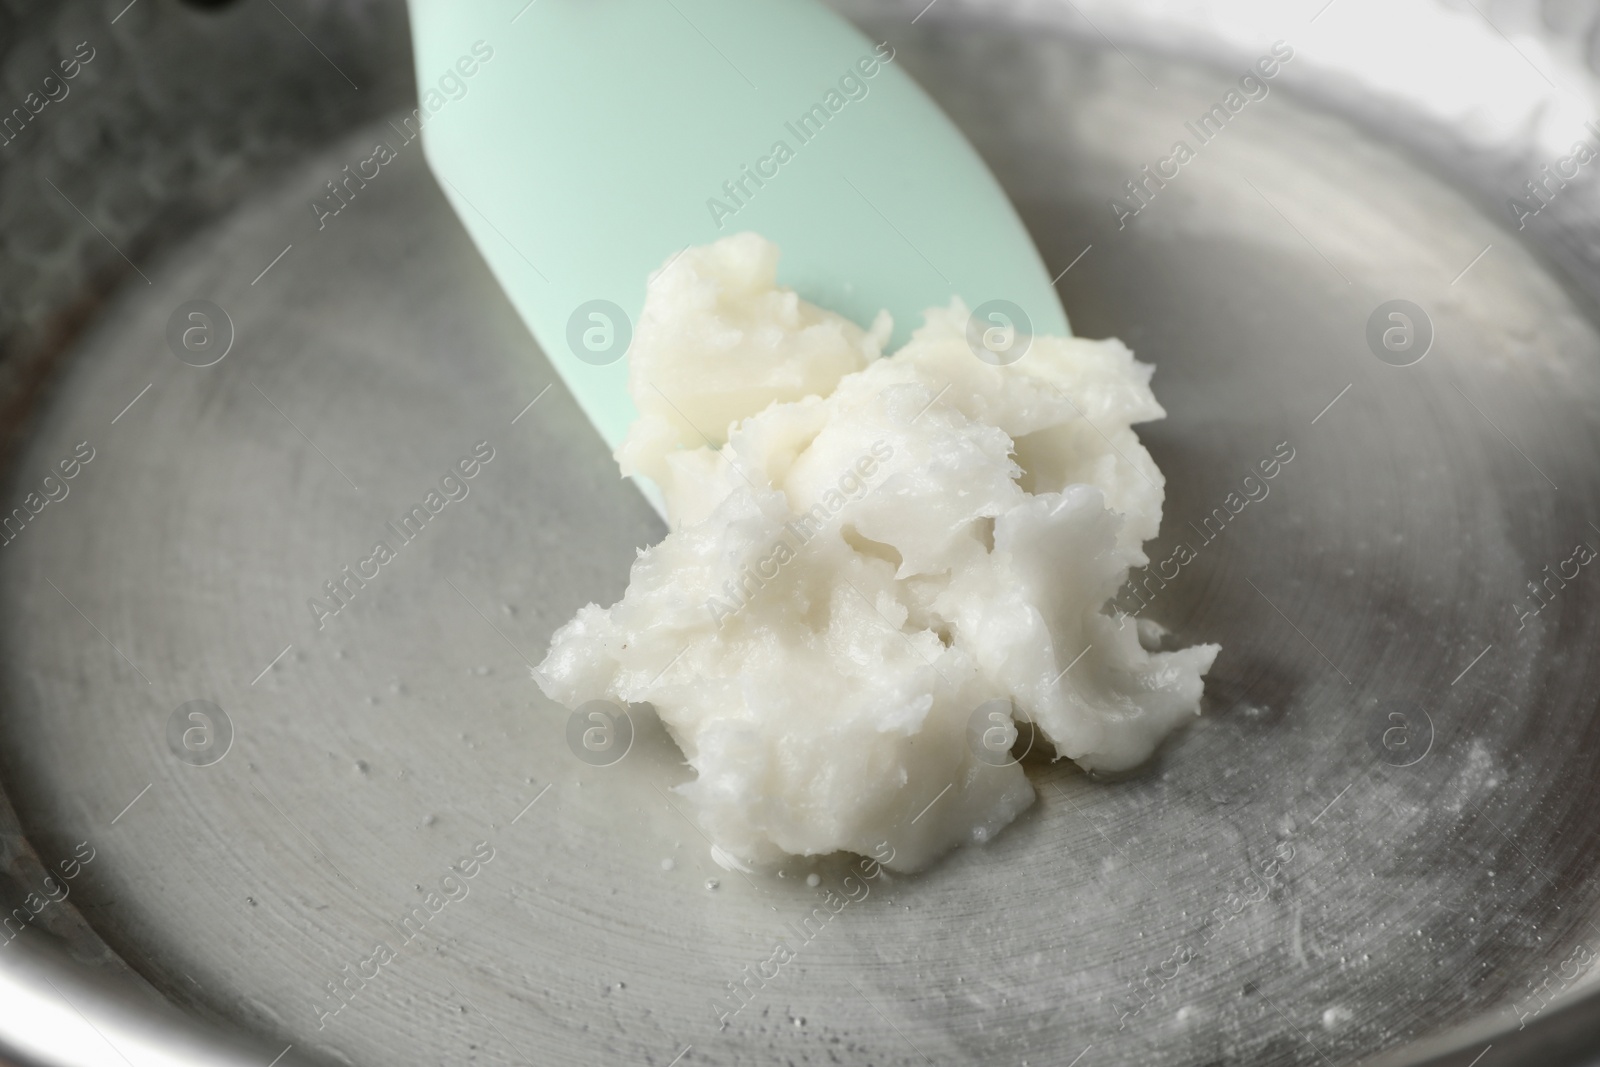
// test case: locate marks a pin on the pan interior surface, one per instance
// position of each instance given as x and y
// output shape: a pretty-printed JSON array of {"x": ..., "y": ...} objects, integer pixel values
[{"x": 1379, "y": 829}]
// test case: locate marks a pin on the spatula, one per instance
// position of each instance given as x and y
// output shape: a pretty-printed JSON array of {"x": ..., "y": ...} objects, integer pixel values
[{"x": 584, "y": 143}]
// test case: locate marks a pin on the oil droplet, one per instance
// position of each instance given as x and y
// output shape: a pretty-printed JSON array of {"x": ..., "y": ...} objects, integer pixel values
[
  {"x": 813, "y": 880},
  {"x": 667, "y": 864},
  {"x": 712, "y": 883}
]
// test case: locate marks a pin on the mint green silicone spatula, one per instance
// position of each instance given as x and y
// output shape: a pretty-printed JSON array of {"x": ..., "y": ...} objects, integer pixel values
[{"x": 585, "y": 142}]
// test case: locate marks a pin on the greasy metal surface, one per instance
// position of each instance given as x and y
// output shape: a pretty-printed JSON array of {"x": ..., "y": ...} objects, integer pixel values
[{"x": 1143, "y": 920}]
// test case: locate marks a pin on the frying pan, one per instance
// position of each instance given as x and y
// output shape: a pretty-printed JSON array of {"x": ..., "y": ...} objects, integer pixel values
[{"x": 1376, "y": 844}]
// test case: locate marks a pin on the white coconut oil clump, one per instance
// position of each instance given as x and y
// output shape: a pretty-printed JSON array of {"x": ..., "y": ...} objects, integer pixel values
[{"x": 866, "y": 554}]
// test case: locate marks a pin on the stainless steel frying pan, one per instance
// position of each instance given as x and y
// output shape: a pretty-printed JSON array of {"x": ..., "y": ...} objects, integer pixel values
[{"x": 231, "y": 834}]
